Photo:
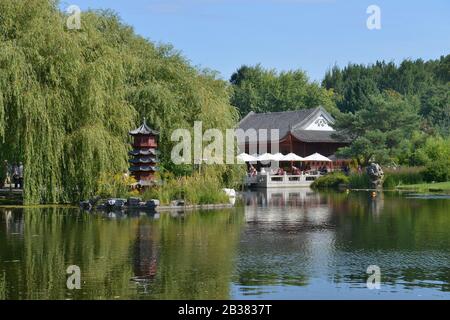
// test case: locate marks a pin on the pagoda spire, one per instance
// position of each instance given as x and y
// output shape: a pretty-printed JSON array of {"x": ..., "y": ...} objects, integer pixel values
[{"x": 143, "y": 158}]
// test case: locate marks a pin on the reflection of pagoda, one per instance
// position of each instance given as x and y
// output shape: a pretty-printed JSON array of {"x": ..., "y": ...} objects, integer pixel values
[
  {"x": 143, "y": 162},
  {"x": 146, "y": 252}
]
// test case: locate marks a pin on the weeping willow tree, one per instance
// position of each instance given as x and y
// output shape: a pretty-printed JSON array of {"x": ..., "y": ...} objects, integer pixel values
[{"x": 69, "y": 97}]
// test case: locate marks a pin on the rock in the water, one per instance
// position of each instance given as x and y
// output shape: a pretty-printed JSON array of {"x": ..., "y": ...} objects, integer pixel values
[{"x": 376, "y": 175}]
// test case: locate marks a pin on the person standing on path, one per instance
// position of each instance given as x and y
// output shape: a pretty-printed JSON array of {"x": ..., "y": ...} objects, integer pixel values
[
  {"x": 20, "y": 175},
  {"x": 15, "y": 175},
  {"x": 4, "y": 174}
]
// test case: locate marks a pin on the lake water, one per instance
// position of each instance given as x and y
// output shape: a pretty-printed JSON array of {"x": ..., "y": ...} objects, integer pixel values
[{"x": 285, "y": 244}]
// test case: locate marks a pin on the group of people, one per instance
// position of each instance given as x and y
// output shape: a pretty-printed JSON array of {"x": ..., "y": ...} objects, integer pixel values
[
  {"x": 12, "y": 174},
  {"x": 323, "y": 170},
  {"x": 252, "y": 171}
]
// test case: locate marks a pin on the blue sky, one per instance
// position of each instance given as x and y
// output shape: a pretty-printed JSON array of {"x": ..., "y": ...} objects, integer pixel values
[{"x": 311, "y": 35}]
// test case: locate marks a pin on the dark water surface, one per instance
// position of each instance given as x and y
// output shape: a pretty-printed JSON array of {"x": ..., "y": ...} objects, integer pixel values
[{"x": 288, "y": 244}]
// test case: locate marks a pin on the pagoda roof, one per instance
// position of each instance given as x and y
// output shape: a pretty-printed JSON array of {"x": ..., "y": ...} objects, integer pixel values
[
  {"x": 144, "y": 160},
  {"x": 143, "y": 168},
  {"x": 144, "y": 129},
  {"x": 143, "y": 152}
]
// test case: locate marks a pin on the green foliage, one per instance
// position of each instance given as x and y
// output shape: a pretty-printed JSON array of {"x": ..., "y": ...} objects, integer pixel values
[
  {"x": 69, "y": 97},
  {"x": 116, "y": 186},
  {"x": 261, "y": 90},
  {"x": 359, "y": 181},
  {"x": 435, "y": 154},
  {"x": 427, "y": 81},
  {"x": 428, "y": 187},
  {"x": 435, "y": 109},
  {"x": 330, "y": 181},
  {"x": 378, "y": 131},
  {"x": 401, "y": 176},
  {"x": 437, "y": 171},
  {"x": 198, "y": 188},
  {"x": 102, "y": 248}
]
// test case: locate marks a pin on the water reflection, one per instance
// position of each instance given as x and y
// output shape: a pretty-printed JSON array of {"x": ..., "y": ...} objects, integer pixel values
[
  {"x": 322, "y": 243},
  {"x": 167, "y": 256},
  {"x": 291, "y": 243}
]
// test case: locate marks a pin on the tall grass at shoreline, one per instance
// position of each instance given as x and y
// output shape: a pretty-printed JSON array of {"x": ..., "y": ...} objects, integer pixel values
[
  {"x": 402, "y": 176},
  {"x": 392, "y": 179},
  {"x": 330, "y": 181},
  {"x": 358, "y": 181},
  {"x": 195, "y": 189}
]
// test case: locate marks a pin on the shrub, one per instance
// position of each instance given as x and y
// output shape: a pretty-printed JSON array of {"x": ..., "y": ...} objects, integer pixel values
[
  {"x": 406, "y": 175},
  {"x": 115, "y": 185},
  {"x": 332, "y": 180},
  {"x": 199, "y": 188},
  {"x": 359, "y": 181},
  {"x": 436, "y": 156},
  {"x": 438, "y": 171}
]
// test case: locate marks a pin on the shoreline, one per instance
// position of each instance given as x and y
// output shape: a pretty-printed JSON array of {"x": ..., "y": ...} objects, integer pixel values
[{"x": 158, "y": 208}]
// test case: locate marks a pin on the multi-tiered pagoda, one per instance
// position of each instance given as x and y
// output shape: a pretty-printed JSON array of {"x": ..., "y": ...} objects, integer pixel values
[{"x": 143, "y": 161}]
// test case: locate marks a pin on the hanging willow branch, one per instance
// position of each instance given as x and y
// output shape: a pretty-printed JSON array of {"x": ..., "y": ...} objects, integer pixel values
[{"x": 69, "y": 97}]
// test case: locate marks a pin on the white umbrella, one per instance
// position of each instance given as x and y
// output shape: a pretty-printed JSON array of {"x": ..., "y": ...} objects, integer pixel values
[
  {"x": 316, "y": 157},
  {"x": 292, "y": 157},
  {"x": 246, "y": 157},
  {"x": 266, "y": 157},
  {"x": 278, "y": 157}
]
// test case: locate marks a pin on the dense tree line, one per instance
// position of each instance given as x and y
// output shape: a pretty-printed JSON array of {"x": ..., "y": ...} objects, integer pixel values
[
  {"x": 389, "y": 111},
  {"x": 69, "y": 97},
  {"x": 426, "y": 81},
  {"x": 265, "y": 90},
  {"x": 395, "y": 114}
]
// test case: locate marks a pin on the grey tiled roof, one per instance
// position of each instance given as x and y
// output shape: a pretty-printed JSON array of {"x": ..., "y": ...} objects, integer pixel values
[
  {"x": 143, "y": 160},
  {"x": 144, "y": 129},
  {"x": 283, "y": 121},
  {"x": 142, "y": 168},
  {"x": 289, "y": 121},
  {"x": 315, "y": 136},
  {"x": 143, "y": 152}
]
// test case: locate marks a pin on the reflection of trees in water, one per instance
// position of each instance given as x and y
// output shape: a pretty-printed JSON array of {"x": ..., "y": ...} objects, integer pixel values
[
  {"x": 407, "y": 238},
  {"x": 188, "y": 256},
  {"x": 146, "y": 252},
  {"x": 196, "y": 254},
  {"x": 13, "y": 223},
  {"x": 338, "y": 235},
  {"x": 55, "y": 238}
]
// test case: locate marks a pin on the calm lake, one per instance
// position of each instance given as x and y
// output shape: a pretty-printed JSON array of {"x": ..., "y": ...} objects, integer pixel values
[{"x": 284, "y": 244}]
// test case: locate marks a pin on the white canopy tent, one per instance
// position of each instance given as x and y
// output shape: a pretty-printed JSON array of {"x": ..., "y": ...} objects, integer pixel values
[
  {"x": 292, "y": 157},
  {"x": 316, "y": 157},
  {"x": 278, "y": 156},
  {"x": 246, "y": 157},
  {"x": 266, "y": 157}
]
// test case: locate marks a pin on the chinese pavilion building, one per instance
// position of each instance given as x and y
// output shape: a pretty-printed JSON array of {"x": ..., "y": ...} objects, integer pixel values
[
  {"x": 302, "y": 132},
  {"x": 143, "y": 157}
]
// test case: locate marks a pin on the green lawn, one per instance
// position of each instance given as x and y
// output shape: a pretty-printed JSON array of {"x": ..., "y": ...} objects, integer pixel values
[{"x": 427, "y": 187}]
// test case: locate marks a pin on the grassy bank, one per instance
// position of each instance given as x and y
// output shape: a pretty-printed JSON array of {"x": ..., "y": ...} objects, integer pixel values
[
  {"x": 330, "y": 181},
  {"x": 409, "y": 178},
  {"x": 392, "y": 179},
  {"x": 427, "y": 187}
]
